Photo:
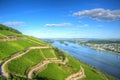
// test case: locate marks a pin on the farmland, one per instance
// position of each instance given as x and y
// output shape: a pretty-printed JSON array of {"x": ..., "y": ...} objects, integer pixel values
[
  {"x": 29, "y": 59},
  {"x": 11, "y": 47}
]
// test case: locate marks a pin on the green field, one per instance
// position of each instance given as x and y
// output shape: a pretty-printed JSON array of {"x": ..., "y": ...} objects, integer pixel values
[
  {"x": 20, "y": 65},
  {"x": 48, "y": 53},
  {"x": 60, "y": 72},
  {"x": 9, "y": 48},
  {"x": 53, "y": 72},
  {"x": 2, "y": 36},
  {"x": 9, "y": 33},
  {"x": 36, "y": 39}
]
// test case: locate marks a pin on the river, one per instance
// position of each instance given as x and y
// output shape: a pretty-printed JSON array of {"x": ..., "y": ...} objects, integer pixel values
[{"x": 104, "y": 61}]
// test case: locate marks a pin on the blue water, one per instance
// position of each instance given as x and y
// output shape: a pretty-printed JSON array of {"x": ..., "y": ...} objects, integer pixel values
[{"x": 104, "y": 61}]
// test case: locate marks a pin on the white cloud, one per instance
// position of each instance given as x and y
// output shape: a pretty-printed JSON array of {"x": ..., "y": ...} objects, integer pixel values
[
  {"x": 14, "y": 23},
  {"x": 58, "y": 25},
  {"x": 99, "y": 14}
]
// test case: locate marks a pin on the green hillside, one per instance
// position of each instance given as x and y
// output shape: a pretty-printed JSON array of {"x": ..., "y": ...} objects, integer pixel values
[
  {"x": 4, "y": 27},
  {"x": 26, "y": 57}
]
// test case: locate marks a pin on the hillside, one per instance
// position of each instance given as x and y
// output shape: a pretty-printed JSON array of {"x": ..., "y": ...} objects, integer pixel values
[
  {"x": 4, "y": 27},
  {"x": 25, "y": 57}
]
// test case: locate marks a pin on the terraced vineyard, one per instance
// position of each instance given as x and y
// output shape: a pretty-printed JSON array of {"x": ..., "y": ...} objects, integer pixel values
[
  {"x": 53, "y": 72},
  {"x": 48, "y": 53},
  {"x": 31, "y": 58},
  {"x": 20, "y": 65},
  {"x": 2, "y": 36},
  {"x": 11, "y": 47},
  {"x": 9, "y": 33}
]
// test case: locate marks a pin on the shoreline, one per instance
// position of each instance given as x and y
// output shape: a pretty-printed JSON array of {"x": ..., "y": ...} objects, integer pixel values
[
  {"x": 102, "y": 50},
  {"x": 92, "y": 67}
]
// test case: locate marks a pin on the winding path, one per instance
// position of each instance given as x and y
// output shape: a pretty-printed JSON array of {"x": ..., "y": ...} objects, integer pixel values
[
  {"x": 42, "y": 65},
  {"x": 38, "y": 67},
  {"x": 3, "y": 70},
  {"x": 11, "y": 38},
  {"x": 77, "y": 76}
]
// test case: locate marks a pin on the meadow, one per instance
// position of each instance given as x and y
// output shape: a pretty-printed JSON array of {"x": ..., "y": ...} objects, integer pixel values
[
  {"x": 9, "y": 48},
  {"x": 9, "y": 33},
  {"x": 20, "y": 65},
  {"x": 53, "y": 72},
  {"x": 48, "y": 53},
  {"x": 2, "y": 36}
]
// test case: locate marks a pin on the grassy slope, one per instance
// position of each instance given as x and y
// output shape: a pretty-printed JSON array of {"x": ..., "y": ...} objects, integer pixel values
[
  {"x": 71, "y": 67},
  {"x": 20, "y": 65},
  {"x": 9, "y": 33},
  {"x": 11, "y": 47},
  {"x": 53, "y": 72},
  {"x": 48, "y": 53},
  {"x": 36, "y": 39},
  {"x": 91, "y": 73},
  {"x": 2, "y": 36}
]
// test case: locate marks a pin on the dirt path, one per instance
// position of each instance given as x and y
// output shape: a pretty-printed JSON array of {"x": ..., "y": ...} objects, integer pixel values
[
  {"x": 38, "y": 67},
  {"x": 11, "y": 38},
  {"x": 42, "y": 65},
  {"x": 77, "y": 76},
  {"x": 3, "y": 70}
]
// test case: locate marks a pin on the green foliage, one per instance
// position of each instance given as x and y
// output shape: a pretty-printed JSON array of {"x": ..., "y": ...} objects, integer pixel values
[
  {"x": 9, "y": 33},
  {"x": 11, "y": 47},
  {"x": 20, "y": 65},
  {"x": 53, "y": 72},
  {"x": 3, "y": 27},
  {"x": 2, "y": 36},
  {"x": 91, "y": 73},
  {"x": 73, "y": 63},
  {"x": 16, "y": 78},
  {"x": 36, "y": 40},
  {"x": 48, "y": 53},
  {"x": 60, "y": 72},
  {"x": 59, "y": 53}
]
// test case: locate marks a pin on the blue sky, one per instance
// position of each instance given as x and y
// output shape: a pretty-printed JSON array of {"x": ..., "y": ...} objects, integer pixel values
[{"x": 63, "y": 18}]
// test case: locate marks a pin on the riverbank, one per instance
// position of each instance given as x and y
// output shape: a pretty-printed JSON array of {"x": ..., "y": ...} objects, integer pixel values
[
  {"x": 97, "y": 59},
  {"x": 100, "y": 49}
]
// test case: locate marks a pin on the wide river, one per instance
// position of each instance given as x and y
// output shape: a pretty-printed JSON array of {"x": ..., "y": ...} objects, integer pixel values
[{"x": 104, "y": 61}]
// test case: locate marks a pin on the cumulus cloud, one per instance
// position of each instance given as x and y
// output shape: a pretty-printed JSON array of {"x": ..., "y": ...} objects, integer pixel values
[
  {"x": 58, "y": 25},
  {"x": 99, "y": 14},
  {"x": 14, "y": 23}
]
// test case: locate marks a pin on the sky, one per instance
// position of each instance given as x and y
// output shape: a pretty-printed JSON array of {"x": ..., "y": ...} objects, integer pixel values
[{"x": 63, "y": 18}]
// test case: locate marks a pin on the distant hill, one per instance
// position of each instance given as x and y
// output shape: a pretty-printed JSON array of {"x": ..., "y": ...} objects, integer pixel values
[{"x": 4, "y": 27}]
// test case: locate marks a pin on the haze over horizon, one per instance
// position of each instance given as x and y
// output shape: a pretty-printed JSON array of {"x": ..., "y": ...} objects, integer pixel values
[{"x": 63, "y": 18}]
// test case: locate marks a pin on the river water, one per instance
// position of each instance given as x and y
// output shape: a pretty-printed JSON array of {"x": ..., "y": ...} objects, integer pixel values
[{"x": 104, "y": 61}]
